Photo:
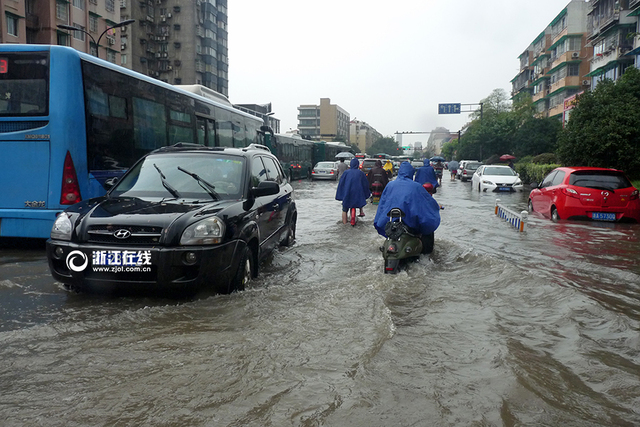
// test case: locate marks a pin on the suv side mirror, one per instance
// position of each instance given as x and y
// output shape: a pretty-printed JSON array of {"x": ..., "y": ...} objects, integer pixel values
[
  {"x": 265, "y": 188},
  {"x": 533, "y": 185}
]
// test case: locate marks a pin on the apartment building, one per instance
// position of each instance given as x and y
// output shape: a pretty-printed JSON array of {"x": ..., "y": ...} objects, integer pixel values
[
  {"x": 611, "y": 26},
  {"x": 556, "y": 64},
  {"x": 328, "y": 122},
  {"x": 362, "y": 134},
  {"x": 38, "y": 21},
  {"x": 177, "y": 41}
]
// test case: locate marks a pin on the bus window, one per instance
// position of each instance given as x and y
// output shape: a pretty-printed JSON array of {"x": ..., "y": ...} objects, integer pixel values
[
  {"x": 224, "y": 128},
  {"x": 149, "y": 124},
  {"x": 206, "y": 130},
  {"x": 24, "y": 89},
  {"x": 180, "y": 129},
  {"x": 211, "y": 133},
  {"x": 238, "y": 134},
  {"x": 201, "y": 131}
]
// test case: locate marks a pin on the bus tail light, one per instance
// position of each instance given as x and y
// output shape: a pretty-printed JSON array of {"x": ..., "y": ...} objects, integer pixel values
[{"x": 70, "y": 188}]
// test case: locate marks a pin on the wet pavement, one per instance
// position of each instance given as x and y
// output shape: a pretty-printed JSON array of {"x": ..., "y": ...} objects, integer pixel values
[{"x": 495, "y": 328}]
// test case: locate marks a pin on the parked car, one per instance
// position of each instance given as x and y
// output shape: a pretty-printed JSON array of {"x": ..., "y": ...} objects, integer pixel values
[
  {"x": 496, "y": 178},
  {"x": 325, "y": 170},
  {"x": 466, "y": 171},
  {"x": 586, "y": 193},
  {"x": 182, "y": 218},
  {"x": 367, "y": 164}
]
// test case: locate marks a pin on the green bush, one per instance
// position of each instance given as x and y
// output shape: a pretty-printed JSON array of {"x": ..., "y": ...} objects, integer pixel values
[
  {"x": 545, "y": 159},
  {"x": 531, "y": 172}
]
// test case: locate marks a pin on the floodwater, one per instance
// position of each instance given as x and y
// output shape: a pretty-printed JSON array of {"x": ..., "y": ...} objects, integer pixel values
[{"x": 495, "y": 328}]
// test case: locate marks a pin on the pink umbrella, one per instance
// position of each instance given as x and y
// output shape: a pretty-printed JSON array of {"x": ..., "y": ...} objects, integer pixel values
[{"x": 507, "y": 157}]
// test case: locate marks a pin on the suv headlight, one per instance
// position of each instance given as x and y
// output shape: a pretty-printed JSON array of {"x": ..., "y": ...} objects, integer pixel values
[
  {"x": 62, "y": 227},
  {"x": 205, "y": 232}
]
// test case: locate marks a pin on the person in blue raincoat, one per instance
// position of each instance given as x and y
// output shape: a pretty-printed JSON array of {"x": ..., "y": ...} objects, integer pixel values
[
  {"x": 422, "y": 212},
  {"x": 426, "y": 174},
  {"x": 353, "y": 189}
]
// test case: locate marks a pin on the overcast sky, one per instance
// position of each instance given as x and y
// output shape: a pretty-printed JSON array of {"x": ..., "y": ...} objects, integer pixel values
[{"x": 388, "y": 63}]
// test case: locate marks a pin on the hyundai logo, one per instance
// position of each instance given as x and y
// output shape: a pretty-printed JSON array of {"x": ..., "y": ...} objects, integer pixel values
[
  {"x": 605, "y": 193},
  {"x": 122, "y": 234}
]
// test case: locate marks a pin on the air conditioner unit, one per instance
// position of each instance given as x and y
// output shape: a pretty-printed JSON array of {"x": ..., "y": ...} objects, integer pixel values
[
  {"x": 169, "y": 15},
  {"x": 586, "y": 83},
  {"x": 165, "y": 54},
  {"x": 111, "y": 40},
  {"x": 164, "y": 18},
  {"x": 575, "y": 55},
  {"x": 169, "y": 68},
  {"x": 158, "y": 55}
]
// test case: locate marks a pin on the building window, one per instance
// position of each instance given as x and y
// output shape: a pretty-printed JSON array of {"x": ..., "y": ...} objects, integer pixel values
[
  {"x": 111, "y": 56},
  {"x": 12, "y": 24},
  {"x": 62, "y": 39},
  {"x": 62, "y": 12},
  {"x": 177, "y": 81},
  {"x": 93, "y": 24},
  {"x": 78, "y": 35},
  {"x": 79, "y": 4},
  {"x": 123, "y": 59},
  {"x": 176, "y": 27},
  {"x": 110, "y": 5}
]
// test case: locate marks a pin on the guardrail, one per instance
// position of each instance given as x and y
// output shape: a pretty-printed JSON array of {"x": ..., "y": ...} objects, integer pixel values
[{"x": 517, "y": 220}]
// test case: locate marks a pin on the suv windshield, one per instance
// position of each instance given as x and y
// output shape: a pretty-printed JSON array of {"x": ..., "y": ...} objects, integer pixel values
[
  {"x": 607, "y": 180},
  {"x": 217, "y": 174}
]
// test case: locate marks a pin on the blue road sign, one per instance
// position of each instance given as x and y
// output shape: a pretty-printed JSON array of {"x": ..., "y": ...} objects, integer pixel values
[{"x": 448, "y": 108}]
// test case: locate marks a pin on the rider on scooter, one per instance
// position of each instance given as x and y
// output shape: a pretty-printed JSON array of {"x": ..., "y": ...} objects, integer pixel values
[
  {"x": 422, "y": 212},
  {"x": 426, "y": 174}
]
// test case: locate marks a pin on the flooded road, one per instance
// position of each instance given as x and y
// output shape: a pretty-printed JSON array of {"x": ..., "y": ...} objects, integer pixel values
[{"x": 495, "y": 328}]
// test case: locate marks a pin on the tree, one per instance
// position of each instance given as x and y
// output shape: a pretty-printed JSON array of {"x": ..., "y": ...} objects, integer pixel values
[
  {"x": 604, "y": 129},
  {"x": 386, "y": 144}
]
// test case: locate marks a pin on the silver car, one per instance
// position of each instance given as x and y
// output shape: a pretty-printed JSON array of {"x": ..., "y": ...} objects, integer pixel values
[
  {"x": 325, "y": 170},
  {"x": 466, "y": 171}
]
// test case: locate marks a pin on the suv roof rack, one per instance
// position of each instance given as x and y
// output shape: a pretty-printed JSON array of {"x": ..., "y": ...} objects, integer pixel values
[{"x": 256, "y": 147}]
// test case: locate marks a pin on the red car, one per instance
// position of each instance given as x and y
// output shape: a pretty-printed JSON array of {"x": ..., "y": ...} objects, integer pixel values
[{"x": 586, "y": 193}]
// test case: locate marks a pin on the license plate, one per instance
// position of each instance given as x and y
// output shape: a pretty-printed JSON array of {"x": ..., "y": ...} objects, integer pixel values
[
  {"x": 504, "y": 188},
  {"x": 322, "y": 171},
  {"x": 603, "y": 216}
]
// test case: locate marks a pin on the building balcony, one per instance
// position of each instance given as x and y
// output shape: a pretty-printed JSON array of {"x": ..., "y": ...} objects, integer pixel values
[
  {"x": 633, "y": 3},
  {"x": 565, "y": 57},
  {"x": 567, "y": 81},
  {"x": 556, "y": 111},
  {"x": 538, "y": 96},
  {"x": 598, "y": 24}
]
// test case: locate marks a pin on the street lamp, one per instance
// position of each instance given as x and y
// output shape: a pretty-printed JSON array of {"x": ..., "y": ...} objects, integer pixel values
[{"x": 118, "y": 25}]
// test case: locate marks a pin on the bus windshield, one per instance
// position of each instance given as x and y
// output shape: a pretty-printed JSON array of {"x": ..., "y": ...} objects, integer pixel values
[{"x": 24, "y": 83}]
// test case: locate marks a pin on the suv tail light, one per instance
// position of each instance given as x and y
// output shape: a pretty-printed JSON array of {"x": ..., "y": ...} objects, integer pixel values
[
  {"x": 70, "y": 188},
  {"x": 570, "y": 192}
]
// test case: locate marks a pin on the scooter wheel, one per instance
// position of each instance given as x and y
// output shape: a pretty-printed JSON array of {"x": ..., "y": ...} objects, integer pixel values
[{"x": 391, "y": 266}]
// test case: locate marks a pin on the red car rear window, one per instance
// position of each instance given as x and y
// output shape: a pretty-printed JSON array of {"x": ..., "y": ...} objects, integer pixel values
[{"x": 608, "y": 180}]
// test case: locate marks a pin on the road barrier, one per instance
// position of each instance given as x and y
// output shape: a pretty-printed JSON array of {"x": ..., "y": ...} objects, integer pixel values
[{"x": 517, "y": 220}]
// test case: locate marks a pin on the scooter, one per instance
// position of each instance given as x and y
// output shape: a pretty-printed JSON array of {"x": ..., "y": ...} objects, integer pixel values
[
  {"x": 401, "y": 244},
  {"x": 376, "y": 192}
]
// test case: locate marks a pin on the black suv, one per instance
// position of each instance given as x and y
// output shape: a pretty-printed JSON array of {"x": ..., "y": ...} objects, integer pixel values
[{"x": 182, "y": 218}]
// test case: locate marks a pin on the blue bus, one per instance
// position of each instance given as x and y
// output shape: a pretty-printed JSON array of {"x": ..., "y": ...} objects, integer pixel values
[{"x": 70, "y": 123}]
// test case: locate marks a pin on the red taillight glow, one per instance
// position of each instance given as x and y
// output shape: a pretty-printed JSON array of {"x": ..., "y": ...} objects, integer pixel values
[
  {"x": 70, "y": 188},
  {"x": 570, "y": 192}
]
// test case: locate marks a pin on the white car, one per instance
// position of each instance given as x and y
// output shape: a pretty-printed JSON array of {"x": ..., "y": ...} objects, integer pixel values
[{"x": 496, "y": 178}]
